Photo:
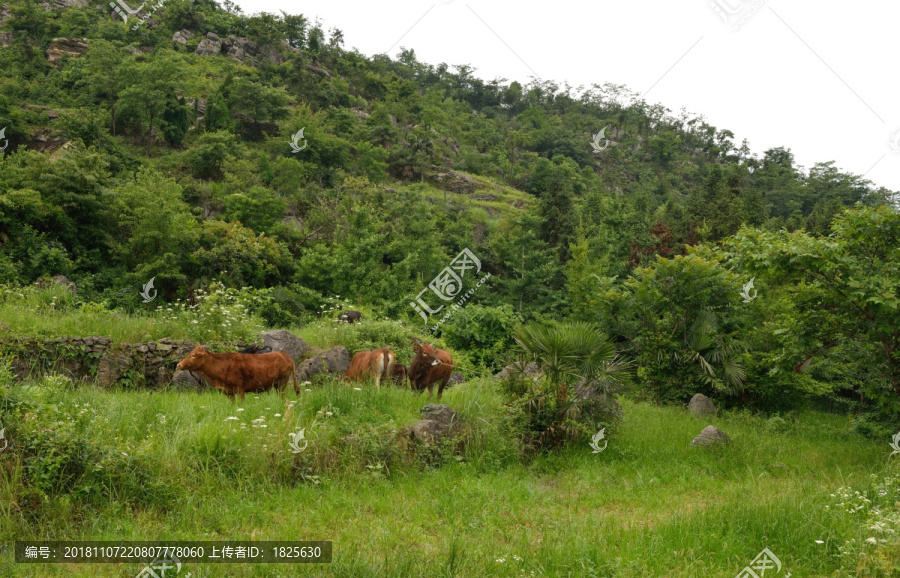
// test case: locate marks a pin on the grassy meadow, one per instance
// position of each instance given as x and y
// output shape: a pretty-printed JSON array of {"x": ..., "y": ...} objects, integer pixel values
[
  {"x": 177, "y": 466},
  {"x": 87, "y": 463}
]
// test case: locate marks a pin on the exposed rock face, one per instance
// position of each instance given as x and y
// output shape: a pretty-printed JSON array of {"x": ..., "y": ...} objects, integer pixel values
[
  {"x": 530, "y": 369},
  {"x": 701, "y": 406},
  {"x": 240, "y": 49},
  {"x": 711, "y": 436},
  {"x": 6, "y": 38},
  {"x": 484, "y": 197},
  {"x": 439, "y": 422},
  {"x": 456, "y": 182},
  {"x": 61, "y": 47},
  {"x": 43, "y": 140},
  {"x": 209, "y": 46},
  {"x": 335, "y": 360},
  {"x": 281, "y": 340},
  {"x": 182, "y": 36}
]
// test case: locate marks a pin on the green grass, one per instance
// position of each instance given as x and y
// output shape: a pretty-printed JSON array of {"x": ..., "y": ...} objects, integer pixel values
[{"x": 650, "y": 505}]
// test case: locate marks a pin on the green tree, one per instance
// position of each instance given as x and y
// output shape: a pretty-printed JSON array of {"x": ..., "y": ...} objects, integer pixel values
[
  {"x": 255, "y": 107},
  {"x": 175, "y": 120},
  {"x": 846, "y": 284},
  {"x": 157, "y": 228},
  {"x": 259, "y": 208},
  {"x": 109, "y": 72},
  {"x": 679, "y": 319},
  {"x": 554, "y": 184},
  {"x": 146, "y": 99}
]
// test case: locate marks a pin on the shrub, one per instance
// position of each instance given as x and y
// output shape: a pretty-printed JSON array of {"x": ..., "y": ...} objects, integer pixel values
[
  {"x": 485, "y": 333},
  {"x": 576, "y": 395}
]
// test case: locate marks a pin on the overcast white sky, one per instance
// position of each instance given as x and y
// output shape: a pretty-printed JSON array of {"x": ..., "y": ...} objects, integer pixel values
[{"x": 818, "y": 77}]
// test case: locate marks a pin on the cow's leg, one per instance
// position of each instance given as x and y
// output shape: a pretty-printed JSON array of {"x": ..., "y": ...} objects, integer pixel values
[
  {"x": 442, "y": 386},
  {"x": 378, "y": 371},
  {"x": 430, "y": 390},
  {"x": 388, "y": 366}
]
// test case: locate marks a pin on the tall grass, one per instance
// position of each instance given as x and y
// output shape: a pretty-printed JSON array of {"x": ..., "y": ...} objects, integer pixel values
[
  {"x": 218, "y": 315},
  {"x": 110, "y": 464},
  {"x": 172, "y": 465}
]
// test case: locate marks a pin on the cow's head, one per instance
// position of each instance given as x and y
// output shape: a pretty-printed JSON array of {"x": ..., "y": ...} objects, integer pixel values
[
  {"x": 195, "y": 359},
  {"x": 426, "y": 354}
]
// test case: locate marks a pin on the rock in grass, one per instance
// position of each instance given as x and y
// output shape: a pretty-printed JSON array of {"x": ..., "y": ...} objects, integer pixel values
[
  {"x": 335, "y": 360},
  {"x": 188, "y": 380},
  {"x": 711, "y": 436},
  {"x": 281, "y": 340},
  {"x": 701, "y": 406},
  {"x": 439, "y": 421},
  {"x": 516, "y": 370}
]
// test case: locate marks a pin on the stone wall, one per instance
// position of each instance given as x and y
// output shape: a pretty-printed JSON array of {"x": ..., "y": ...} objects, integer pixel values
[{"x": 150, "y": 364}]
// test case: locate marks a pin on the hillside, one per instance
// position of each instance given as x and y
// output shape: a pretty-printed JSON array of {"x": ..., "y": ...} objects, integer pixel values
[
  {"x": 195, "y": 145},
  {"x": 195, "y": 109}
]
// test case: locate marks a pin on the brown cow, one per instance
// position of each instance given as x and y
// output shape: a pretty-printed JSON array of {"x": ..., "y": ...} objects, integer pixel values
[
  {"x": 398, "y": 376},
  {"x": 237, "y": 373},
  {"x": 430, "y": 365},
  {"x": 350, "y": 316},
  {"x": 378, "y": 363}
]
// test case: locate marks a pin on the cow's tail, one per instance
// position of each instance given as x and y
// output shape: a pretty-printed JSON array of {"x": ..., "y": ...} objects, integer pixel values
[{"x": 388, "y": 364}]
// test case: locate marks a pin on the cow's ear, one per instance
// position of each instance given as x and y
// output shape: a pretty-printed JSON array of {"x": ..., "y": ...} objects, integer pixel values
[{"x": 416, "y": 346}]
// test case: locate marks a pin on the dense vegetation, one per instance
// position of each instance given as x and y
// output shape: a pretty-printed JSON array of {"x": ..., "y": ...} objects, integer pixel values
[
  {"x": 164, "y": 152},
  {"x": 176, "y": 166}
]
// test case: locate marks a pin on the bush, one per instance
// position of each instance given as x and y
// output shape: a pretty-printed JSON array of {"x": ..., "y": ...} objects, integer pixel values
[
  {"x": 485, "y": 333},
  {"x": 576, "y": 395}
]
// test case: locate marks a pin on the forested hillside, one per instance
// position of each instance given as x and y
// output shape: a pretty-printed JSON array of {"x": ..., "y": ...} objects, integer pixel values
[{"x": 162, "y": 148}]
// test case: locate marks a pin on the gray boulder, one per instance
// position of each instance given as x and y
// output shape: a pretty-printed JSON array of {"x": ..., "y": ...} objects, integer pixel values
[
  {"x": 209, "y": 46},
  {"x": 59, "y": 280},
  {"x": 281, "y": 340},
  {"x": 711, "y": 436},
  {"x": 455, "y": 378},
  {"x": 335, "y": 360},
  {"x": 188, "y": 380},
  {"x": 438, "y": 422},
  {"x": 182, "y": 36},
  {"x": 701, "y": 406},
  {"x": 513, "y": 369}
]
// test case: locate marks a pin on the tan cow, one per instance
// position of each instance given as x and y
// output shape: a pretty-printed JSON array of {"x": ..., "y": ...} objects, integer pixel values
[
  {"x": 237, "y": 373},
  {"x": 378, "y": 363}
]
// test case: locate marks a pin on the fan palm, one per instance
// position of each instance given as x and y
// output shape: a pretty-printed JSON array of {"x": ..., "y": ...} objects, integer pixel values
[
  {"x": 580, "y": 355},
  {"x": 706, "y": 347}
]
